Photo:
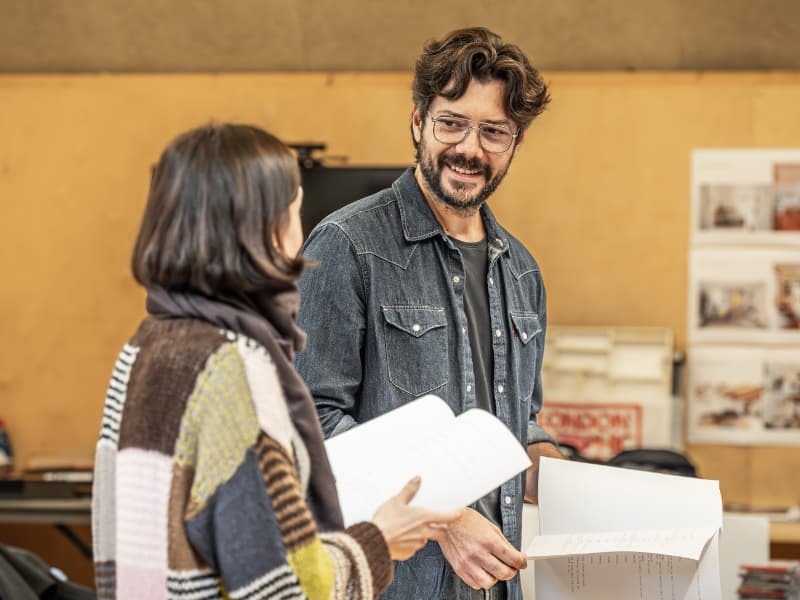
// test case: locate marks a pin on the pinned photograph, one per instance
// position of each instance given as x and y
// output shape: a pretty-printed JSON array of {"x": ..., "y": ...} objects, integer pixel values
[
  {"x": 732, "y": 207},
  {"x": 741, "y": 305},
  {"x": 787, "y": 197},
  {"x": 787, "y": 284},
  {"x": 781, "y": 398}
]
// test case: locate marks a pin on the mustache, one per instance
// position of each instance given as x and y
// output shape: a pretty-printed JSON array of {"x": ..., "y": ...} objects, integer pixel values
[{"x": 462, "y": 162}]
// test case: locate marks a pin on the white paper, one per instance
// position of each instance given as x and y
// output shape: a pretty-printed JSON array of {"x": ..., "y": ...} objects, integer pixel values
[
  {"x": 624, "y": 516},
  {"x": 687, "y": 543},
  {"x": 744, "y": 540},
  {"x": 460, "y": 459}
]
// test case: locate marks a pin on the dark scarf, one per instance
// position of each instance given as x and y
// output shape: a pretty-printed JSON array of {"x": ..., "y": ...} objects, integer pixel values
[{"x": 269, "y": 319}]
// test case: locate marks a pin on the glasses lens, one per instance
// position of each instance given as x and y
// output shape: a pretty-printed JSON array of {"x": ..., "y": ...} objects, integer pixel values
[
  {"x": 495, "y": 139},
  {"x": 450, "y": 130}
]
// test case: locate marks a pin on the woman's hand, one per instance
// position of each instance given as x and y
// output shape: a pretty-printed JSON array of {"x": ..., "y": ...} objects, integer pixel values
[{"x": 407, "y": 528}]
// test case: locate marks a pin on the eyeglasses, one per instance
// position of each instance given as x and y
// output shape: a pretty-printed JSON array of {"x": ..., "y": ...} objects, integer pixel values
[{"x": 492, "y": 137}]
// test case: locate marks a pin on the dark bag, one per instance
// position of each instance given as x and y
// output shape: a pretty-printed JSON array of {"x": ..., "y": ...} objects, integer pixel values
[
  {"x": 25, "y": 576},
  {"x": 659, "y": 461}
]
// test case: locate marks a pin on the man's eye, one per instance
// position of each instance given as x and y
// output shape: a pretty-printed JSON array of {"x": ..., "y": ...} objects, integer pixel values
[
  {"x": 495, "y": 132},
  {"x": 452, "y": 123}
]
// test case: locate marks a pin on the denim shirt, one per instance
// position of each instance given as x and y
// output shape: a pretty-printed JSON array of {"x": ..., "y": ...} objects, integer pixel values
[{"x": 384, "y": 313}]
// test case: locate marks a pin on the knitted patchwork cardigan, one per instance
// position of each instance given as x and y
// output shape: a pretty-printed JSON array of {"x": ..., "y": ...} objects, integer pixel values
[{"x": 200, "y": 480}]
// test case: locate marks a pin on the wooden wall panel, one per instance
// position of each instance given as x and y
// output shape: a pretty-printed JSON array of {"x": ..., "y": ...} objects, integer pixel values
[
  {"x": 599, "y": 192},
  {"x": 135, "y": 36}
]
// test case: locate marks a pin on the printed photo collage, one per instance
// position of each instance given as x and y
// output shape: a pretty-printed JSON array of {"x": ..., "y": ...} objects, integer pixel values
[{"x": 744, "y": 298}]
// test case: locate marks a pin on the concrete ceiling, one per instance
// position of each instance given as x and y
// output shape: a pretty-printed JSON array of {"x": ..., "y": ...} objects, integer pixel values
[{"x": 379, "y": 35}]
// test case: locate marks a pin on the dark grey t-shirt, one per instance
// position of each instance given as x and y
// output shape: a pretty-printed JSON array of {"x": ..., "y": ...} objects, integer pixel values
[{"x": 476, "y": 306}]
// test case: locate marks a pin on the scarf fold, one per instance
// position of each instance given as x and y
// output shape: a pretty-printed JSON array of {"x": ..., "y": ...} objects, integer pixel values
[{"x": 269, "y": 319}]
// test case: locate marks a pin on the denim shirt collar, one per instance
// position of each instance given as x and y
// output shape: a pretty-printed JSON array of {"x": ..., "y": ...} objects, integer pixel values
[{"x": 419, "y": 222}]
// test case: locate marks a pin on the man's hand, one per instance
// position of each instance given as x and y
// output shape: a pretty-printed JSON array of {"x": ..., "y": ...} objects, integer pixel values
[
  {"x": 535, "y": 451},
  {"x": 479, "y": 552}
]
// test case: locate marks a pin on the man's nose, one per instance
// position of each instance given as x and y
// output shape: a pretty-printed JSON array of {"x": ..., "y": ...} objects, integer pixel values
[{"x": 471, "y": 144}]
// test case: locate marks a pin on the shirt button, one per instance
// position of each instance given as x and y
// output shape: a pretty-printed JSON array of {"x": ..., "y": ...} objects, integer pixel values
[
  {"x": 463, "y": 330},
  {"x": 456, "y": 279},
  {"x": 415, "y": 327},
  {"x": 500, "y": 389},
  {"x": 498, "y": 333},
  {"x": 507, "y": 499},
  {"x": 523, "y": 335},
  {"x": 469, "y": 388}
]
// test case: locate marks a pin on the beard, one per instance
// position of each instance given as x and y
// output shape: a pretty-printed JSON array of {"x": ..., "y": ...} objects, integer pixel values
[{"x": 463, "y": 199}]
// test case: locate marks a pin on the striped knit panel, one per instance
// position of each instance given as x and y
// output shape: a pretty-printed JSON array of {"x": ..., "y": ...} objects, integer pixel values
[
  {"x": 353, "y": 576},
  {"x": 143, "y": 485},
  {"x": 280, "y": 584},
  {"x": 280, "y": 478},
  {"x": 116, "y": 394},
  {"x": 218, "y": 426},
  {"x": 103, "y": 493},
  {"x": 194, "y": 585}
]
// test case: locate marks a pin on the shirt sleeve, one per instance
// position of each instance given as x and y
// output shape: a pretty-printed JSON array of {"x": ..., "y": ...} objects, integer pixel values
[{"x": 332, "y": 313}]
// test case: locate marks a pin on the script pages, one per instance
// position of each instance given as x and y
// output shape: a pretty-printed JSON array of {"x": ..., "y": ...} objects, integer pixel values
[
  {"x": 460, "y": 459},
  {"x": 610, "y": 533}
]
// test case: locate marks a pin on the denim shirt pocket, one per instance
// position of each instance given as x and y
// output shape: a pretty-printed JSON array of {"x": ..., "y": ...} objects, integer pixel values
[
  {"x": 527, "y": 330},
  {"x": 416, "y": 347}
]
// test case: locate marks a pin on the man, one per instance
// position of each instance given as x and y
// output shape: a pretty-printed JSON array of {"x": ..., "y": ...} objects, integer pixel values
[{"x": 419, "y": 290}]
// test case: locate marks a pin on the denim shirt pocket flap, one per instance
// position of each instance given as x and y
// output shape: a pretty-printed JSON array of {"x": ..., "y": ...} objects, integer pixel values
[
  {"x": 526, "y": 326},
  {"x": 415, "y": 320}
]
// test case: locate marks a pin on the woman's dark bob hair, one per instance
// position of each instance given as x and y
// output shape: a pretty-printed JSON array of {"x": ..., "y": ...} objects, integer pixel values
[{"x": 218, "y": 201}]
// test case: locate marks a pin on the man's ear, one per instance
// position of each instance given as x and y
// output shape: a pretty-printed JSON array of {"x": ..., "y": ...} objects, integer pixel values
[{"x": 416, "y": 125}]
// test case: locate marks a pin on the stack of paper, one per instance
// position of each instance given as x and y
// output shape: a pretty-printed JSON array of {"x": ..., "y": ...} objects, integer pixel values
[
  {"x": 609, "y": 533},
  {"x": 777, "y": 579}
]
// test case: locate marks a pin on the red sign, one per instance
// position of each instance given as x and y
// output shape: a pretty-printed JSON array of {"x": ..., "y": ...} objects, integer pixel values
[{"x": 597, "y": 431}]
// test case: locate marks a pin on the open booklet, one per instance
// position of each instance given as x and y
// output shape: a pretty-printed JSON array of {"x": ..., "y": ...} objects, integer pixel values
[
  {"x": 609, "y": 533},
  {"x": 460, "y": 459}
]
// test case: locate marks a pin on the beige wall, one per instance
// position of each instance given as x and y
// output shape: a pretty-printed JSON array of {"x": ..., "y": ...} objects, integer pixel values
[{"x": 599, "y": 192}]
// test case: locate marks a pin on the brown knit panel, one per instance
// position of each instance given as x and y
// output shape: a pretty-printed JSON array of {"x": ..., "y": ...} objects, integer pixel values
[
  {"x": 180, "y": 555},
  {"x": 280, "y": 477},
  {"x": 172, "y": 354}
]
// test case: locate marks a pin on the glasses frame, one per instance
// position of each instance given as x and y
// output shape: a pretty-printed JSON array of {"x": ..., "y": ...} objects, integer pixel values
[{"x": 475, "y": 124}]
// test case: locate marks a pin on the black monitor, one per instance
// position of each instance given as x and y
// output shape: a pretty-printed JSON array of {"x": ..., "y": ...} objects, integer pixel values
[{"x": 326, "y": 189}]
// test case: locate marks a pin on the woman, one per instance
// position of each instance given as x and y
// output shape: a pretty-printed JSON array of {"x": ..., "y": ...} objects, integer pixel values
[{"x": 211, "y": 478}]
